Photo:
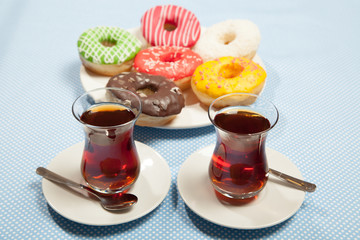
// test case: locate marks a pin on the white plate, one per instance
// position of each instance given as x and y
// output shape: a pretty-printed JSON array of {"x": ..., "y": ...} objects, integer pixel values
[
  {"x": 151, "y": 188},
  {"x": 276, "y": 203},
  {"x": 193, "y": 115}
]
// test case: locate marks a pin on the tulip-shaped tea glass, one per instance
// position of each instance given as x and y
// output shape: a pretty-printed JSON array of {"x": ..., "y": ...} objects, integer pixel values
[
  {"x": 238, "y": 167},
  {"x": 110, "y": 162}
]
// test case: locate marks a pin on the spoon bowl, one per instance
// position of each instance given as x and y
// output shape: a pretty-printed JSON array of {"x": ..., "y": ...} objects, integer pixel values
[{"x": 110, "y": 202}]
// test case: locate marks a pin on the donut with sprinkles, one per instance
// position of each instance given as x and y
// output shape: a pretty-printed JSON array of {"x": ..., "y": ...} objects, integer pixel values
[
  {"x": 234, "y": 37},
  {"x": 170, "y": 25},
  {"x": 161, "y": 99},
  {"x": 175, "y": 63},
  {"x": 226, "y": 75}
]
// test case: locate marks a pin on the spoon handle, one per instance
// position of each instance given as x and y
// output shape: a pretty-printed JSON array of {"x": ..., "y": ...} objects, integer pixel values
[
  {"x": 56, "y": 178},
  {"x": 303, "y": 185}
]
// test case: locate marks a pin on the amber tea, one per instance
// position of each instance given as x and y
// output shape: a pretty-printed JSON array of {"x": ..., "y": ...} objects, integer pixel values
[
  {"x": 238, "y": 168},
  {"x": 109, "y": 161}
]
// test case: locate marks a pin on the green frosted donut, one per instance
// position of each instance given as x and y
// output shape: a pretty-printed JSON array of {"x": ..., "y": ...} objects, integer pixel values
[{"x": 108, "y": 45}]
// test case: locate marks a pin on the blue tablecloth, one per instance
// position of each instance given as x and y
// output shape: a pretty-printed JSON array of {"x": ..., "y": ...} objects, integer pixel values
[{"x": 311, "y": 52}]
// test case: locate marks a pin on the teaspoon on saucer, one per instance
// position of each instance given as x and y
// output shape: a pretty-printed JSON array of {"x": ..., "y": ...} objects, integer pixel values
[
  {"x": 110, "y": 202},
  {"x": 303, "y": 185}
]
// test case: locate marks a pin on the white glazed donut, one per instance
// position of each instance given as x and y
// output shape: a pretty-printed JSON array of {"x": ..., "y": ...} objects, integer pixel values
[{"x": 237, "y": 38}]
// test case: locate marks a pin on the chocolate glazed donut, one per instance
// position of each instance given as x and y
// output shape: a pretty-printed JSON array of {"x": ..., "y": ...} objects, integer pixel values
[{"x": 161, "y": 99}]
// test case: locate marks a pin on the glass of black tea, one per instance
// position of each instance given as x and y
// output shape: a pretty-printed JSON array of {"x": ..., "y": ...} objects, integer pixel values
[
  {"x": 238, "y": 167},
  {"x": 110, "y": 162}
]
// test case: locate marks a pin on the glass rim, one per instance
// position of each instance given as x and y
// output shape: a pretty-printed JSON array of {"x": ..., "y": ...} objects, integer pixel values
[
  {"x": 247, "y": 94},
  {"x": 104, "y": 89}
]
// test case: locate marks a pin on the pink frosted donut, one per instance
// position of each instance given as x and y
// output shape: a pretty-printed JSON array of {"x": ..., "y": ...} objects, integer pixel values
[
  {"x": 170, "y": 25},
  {"x": 175, "y": 63}
]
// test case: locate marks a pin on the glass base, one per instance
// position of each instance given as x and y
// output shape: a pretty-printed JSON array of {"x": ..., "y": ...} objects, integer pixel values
[
  {"x": 237, "y": 196},
  {"x": 108, "y": 191},
  {"x": 232, "y": 201}
]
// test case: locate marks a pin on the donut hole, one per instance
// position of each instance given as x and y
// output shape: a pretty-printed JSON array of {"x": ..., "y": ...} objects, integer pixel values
[
  {"x": 171, "y": 57},
  {"x": 147, "y": 91},
  {"x": 108, "y": 42},
  {"x": 228, "y": 38},
  {"x": 231, "y": 70},
  {"x": 170, "y": 26}
]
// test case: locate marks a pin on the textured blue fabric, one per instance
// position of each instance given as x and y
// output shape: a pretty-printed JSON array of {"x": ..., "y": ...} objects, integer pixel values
[{"x": 311, "y": 52}]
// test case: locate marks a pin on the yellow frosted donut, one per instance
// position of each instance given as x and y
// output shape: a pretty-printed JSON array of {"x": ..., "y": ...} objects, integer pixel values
[{"x": 226, "y": 75}]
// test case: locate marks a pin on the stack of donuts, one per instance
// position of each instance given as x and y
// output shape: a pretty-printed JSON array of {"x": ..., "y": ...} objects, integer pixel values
[{"x": 178, "y": 56}]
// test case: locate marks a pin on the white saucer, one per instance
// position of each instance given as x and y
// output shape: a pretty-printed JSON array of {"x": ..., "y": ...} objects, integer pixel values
[
  {"x": 193, "y": 115},
  {"x": 151, "y": 188},
  {"x": 276, "y": 203}
]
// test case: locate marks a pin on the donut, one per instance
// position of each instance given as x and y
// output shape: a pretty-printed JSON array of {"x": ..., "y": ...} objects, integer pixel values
[
  {"x": 107, "y": 50},
  {"x": 170, "y": 25},
  {"x": 161, "y": 99},
  {"x": 175, "y": 63},
  {"x": 227, "y": 75},
  {"x": 238, "y": 38}
]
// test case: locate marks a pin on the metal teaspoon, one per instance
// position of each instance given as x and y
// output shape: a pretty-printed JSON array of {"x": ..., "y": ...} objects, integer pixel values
[
  {"x": 110, "y": 202},
  {"x": 303, "y": 185}
]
